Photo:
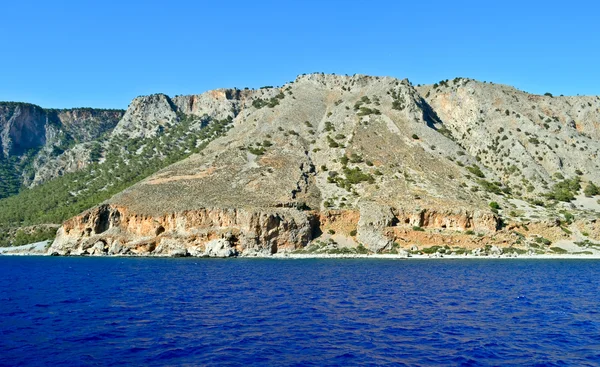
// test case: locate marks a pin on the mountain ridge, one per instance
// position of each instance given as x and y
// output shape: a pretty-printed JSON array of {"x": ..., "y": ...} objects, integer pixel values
[{"x": 378, "y": 150}]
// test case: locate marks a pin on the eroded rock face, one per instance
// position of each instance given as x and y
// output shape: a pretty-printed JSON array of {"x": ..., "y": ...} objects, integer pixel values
[
  {"x": 373, "y": 220},
  {"x": 22, "y": 127},
  {"x": 219, "y": 248},
  {"x": 146, "y": 116},
  {"x": 459, "y": 219},
  {"x": 378, "y": 222},
  {"x": 218, "y": 232},
  {"x": 218, "y": 104},
  {"x": 28, "y": 131},
  {"x": 207, "y": 232}
]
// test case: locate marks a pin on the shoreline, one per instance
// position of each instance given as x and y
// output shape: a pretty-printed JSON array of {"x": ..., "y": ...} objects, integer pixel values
[
  {"x": 41, "y": 248},
  {"x": 434, "y": 257},
  {"x": 289, "y": 256}
]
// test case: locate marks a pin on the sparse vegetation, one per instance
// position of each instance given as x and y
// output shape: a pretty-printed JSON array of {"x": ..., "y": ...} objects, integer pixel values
[
  {"x": 474, "y": 169},
  {"x": 565, "y": 190},
  {"x": 272, "y": 102},
  {"x": 591, "y": 190}
]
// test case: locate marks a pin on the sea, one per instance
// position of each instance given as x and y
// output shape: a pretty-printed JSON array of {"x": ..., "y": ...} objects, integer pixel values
[{"x": 69, "y": 311}]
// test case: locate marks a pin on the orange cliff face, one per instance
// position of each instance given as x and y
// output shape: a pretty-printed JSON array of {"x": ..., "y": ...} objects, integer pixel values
[{"x": 115, "y": 230}]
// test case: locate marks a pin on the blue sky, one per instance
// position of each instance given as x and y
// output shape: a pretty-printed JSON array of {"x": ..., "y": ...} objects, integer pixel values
[{"x": 104, "y": 53}]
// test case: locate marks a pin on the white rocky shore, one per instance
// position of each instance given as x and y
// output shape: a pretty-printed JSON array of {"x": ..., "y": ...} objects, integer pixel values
[
  {"x": 38, "y": 248},
  {"x": 433, "y": 256},
  {"x": 41, "y": 249}
]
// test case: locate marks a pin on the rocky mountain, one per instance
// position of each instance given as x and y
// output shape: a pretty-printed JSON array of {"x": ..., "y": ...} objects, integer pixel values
[
  {"x": 348, "y": 164},
  {"x": 40, "y": 144},
  {"x": 152, "y": 134}
]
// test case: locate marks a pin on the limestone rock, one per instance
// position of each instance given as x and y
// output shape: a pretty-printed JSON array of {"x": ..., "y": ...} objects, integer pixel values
[
  {"x": 373, "y": 220},
  {"x": 219, "y": 248}
]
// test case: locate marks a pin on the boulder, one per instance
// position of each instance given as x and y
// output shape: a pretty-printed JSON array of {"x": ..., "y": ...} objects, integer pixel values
[{"x": 219, "y": 248}]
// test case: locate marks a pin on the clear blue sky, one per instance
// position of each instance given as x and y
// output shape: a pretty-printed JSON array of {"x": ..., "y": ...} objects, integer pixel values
[{"x": 104, "y": 53}]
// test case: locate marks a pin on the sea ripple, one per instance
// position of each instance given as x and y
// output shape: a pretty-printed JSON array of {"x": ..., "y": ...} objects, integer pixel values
[{"x": 311, "y": 312}]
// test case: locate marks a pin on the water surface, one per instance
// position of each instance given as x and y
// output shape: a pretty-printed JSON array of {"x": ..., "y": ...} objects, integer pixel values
[{"x": 154, "y": 312}]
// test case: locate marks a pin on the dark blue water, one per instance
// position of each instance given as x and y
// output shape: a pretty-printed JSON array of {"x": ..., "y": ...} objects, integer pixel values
[{"x": 154, "y": 312}]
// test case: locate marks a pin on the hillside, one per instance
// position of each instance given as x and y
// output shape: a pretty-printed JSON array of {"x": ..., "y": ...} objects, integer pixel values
[
  {"x": 351, "y": 164},
  {"x": 112, "y": 162}
]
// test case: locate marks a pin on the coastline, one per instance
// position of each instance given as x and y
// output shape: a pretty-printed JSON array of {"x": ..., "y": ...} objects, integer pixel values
[
  {"x": 434, "y": 257},
  {"x": 41, "y": 249},
  {"x": 292, "y": 256}
]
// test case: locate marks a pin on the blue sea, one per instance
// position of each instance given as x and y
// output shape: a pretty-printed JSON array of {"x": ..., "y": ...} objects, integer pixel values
[{"x": 328, "y": 312}]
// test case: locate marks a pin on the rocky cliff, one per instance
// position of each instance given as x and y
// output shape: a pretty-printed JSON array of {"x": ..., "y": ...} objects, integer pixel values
[
  {"x": 22, "y": 127},
  {"x": 40, "y": 144}
]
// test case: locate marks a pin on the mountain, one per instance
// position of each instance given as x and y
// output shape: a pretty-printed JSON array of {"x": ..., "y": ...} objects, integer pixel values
[
  {"x": 153, "y": 133},
  {"x": 343, "y": 164},
  {"x": 40, "y": 144}
]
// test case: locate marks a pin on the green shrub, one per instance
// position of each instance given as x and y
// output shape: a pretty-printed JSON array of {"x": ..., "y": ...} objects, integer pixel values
[
  {"x": 566, "y": 230},
  {"x": 591, "y": 190},
  {"x": 360, "y": 249},
  {"x": 418, "y": 228},
  {"x": 256, "y": 150},
  {"x": 474, "y": 169},
  {"x": 355, "y": 158},
  {"x": 415, "y": 136},
  {"x": 543, "y": 241},
  {"x": 355, "y": 176},
  {"x": 260, "y": 103},
  {"x": 565, "y": 190},
  {"x": 433, "y": 250},
  {"x": 366, "y": 111},
  {"x": 568, "y": 216},
  {"x": 490, "y": 187},
  {"x": 332, "y": 143}
]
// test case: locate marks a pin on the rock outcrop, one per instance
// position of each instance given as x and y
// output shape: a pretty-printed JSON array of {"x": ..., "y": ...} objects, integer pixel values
[
  {"x": 22, "y": 127},
  {"x": 213, "y": 232},
  {"x": 217, "y": 232}
]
